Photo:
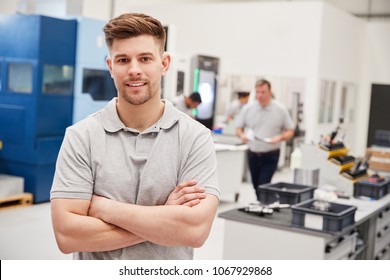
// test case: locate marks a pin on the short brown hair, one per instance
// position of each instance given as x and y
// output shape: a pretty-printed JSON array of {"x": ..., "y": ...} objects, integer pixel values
[
  {"x": 243, "y": 94},
  {"x": 196, "y": 97},
  {"x": 263, "y": 82},
  {"x": 130, "y": 25}
]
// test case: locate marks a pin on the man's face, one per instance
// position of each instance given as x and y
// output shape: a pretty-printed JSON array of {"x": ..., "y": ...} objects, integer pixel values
[
  {"x": 263, "y": 94},
  {"x": 136, "y": 65},
  {"x": 244, "y": 99},
  {"x": 194, "y": 104}
]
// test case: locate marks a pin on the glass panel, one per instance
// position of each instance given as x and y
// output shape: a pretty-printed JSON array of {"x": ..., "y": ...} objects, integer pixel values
[
  {"x": 348, "y": 103},
  {"x": 327, "y": 100},
  {"x": 206, "y": 89},
  {"x": 322, "y": 102},
  {"x": 20, "y": 78},
  {"x": 99, "y": 84},
  {"x": 331, "y": 93},
  {"x": 343, "y": 103},
  {"x": 57, "y": 79},
  {"x": 180, "y": 83}
]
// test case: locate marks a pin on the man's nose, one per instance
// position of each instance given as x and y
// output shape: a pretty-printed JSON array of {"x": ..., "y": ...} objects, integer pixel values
[{"x": 134, "y": 68}]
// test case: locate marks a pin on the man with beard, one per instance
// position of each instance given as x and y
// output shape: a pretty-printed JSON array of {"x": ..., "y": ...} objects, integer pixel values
[{"x": 136, "y": 180}]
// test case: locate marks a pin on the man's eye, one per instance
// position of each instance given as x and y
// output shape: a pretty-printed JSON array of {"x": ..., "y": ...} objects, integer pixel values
[
  {"x": 145, "y": 59},
  {"x": 122, "y": 60}
]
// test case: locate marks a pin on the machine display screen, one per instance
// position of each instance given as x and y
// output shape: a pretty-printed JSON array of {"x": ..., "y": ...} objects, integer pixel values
[{"x": 99, "y": 84}]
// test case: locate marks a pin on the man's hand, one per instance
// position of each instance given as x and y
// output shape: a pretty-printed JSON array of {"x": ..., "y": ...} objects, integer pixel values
[
  {"x": 244, "y": 139},
  {"x": 187, "y": 193},
  {"x": 276, "y": 139},
  {"x": 240, "y": 134}
]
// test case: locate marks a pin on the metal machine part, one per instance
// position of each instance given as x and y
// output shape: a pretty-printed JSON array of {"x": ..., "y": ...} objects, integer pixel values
[{"x": 264, "y": 209}]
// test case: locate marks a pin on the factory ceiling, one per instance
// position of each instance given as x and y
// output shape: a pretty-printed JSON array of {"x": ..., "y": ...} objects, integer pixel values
[{"x": 368, "y": 9}]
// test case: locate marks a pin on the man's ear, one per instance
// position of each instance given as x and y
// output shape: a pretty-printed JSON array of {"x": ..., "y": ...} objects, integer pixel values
[
  {"x": 165, "y": 62},
  {"x": 109, "y": 65}
]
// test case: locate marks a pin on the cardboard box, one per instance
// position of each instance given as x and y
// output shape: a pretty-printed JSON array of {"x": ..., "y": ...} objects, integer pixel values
[{"x": 380, "y": 158}]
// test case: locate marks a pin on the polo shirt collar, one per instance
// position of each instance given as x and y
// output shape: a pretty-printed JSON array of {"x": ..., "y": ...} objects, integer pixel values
[
  {"x": 270, "y": 104},
  {"x": 170, "y": 116},
  {"x": 112, "y": 123}
]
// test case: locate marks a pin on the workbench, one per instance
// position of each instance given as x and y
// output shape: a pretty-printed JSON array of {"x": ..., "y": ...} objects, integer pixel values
[
  {"x": 250, "y": 236},
  {"x": 231, "y": 157}
]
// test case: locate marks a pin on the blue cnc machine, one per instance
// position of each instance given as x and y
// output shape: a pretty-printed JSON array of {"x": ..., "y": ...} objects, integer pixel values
[{"x": 37, "y": 61}]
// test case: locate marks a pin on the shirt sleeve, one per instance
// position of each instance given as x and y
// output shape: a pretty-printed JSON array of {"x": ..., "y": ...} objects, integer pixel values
[
  {"x": 201, "y": 164},
  {"x": 240, "y": 120},
  {"x": 232, "y": 110},
  {"x": 73, "y": 175}
]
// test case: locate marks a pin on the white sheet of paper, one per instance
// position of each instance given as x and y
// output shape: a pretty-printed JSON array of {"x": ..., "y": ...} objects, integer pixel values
[
  {"x": 250, "y": 134},
  {"x": 313, "y": 221}
]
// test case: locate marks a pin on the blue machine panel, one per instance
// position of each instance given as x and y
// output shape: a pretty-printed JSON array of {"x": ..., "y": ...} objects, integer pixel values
[
  {"x": 12, "y": 114},
  {"x": 93, "y": 84},
  {"x": 19, "y": 36},
  {"x": 37, "y": 55}
]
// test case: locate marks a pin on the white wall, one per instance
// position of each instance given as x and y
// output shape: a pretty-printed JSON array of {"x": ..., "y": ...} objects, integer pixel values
[
  {"x": 8, "y": 6},
  {"x": 305, "y": 39},
  {"x": 96, "y": 9},
  {"x": 340, "y": 61},
  {"x": 271, "y": 39},
  {"x": 252, "y": 38}
]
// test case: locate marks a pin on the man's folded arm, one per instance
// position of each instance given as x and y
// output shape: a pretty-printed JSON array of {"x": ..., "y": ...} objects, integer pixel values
[
  {"x": 167, "y": 225},
  {"x": 75, "y": 231}
]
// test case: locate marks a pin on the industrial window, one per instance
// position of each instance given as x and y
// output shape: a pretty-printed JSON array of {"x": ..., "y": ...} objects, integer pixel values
[
  {"x": 327, "y": 100},
  {"x": 99, "y": 84},
  {"x": 348, "y": 102},
  {"x": 20, "y": 78},
  {"x": 57, "y": 79}
]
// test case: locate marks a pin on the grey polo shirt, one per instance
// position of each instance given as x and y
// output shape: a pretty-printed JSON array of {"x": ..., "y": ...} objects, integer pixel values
[
  {"x": 234, "y": 108},
  {"x": 99, "y": 155},
  {"x": 265, "y": 122}
]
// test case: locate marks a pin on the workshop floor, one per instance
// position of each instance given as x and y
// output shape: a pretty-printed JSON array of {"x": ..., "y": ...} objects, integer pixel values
[{"x": 26, "y": 232}]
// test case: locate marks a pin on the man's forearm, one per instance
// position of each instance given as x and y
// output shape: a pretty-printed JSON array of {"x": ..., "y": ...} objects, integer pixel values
[
  {"x": 168, "y": 225},
  {"x": 287, "y": 134},
  {"x": 241, "y": 134},
  {"x": 75, "y": 232}
]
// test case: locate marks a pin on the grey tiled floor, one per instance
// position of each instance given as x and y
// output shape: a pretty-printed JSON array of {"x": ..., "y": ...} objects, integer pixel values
[{"x": 26, "y": 233}]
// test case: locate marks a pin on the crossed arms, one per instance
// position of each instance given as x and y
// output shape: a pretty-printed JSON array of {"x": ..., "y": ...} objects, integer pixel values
[{"x": 103, "y": 224}]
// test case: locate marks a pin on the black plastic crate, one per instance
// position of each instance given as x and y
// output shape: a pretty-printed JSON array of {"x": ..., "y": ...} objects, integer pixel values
[
  {"x": 285, "y": 193},
  {"x": 382, "y": 138},
  {"x": 335, "y": 219},
  {"x": 370, "y": 188}
]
